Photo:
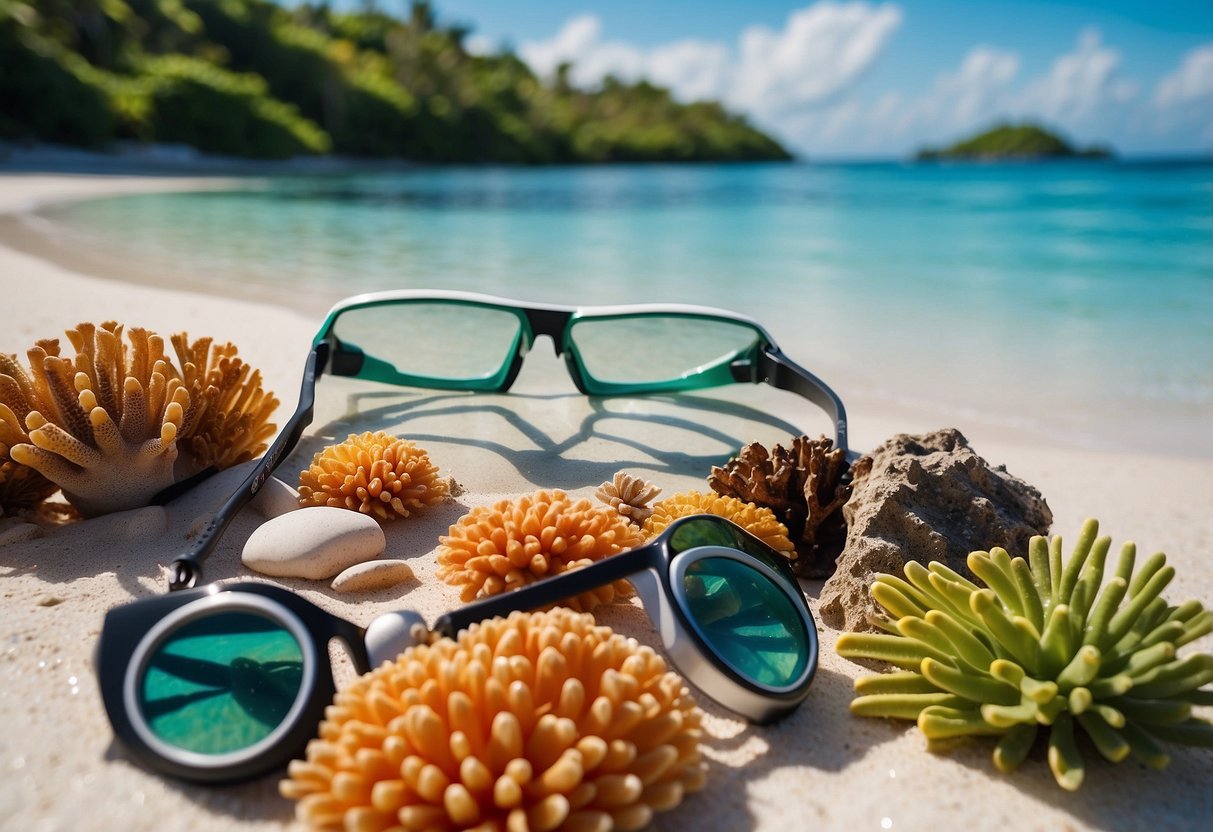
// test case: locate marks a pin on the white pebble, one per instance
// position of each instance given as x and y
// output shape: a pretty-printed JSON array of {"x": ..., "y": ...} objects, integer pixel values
[
  {"x": 316, "y": 543},
  {"x": 375, "y": 574},
  {"x": 275, "y": 498}
]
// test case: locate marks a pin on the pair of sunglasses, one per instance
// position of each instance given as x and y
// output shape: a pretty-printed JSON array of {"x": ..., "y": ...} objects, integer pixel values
[
  {"x": 405, "y": 338},
  {"x": 221, "y": 684}
]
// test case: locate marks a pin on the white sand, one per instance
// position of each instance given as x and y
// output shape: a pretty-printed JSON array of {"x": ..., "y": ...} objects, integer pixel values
[{"x": 821, "y": 768}]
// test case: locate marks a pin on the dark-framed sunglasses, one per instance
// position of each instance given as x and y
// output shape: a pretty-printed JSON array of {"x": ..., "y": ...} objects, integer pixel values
[
  {"x": 225, "y": 683},
  {"x": 400, "y": 338}
]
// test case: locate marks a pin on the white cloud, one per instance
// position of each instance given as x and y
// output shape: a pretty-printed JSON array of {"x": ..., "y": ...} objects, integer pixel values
[
  {"x": 1080, "y": 86},
  {"x": 972, "y": 95},
  {"x": 1183, "y": 100},
  {"x": 822, "y": 50}
]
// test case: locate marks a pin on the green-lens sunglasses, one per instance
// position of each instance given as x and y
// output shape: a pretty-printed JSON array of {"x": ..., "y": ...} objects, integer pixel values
[
  {"x": 402, "y": 338},
  {"x": 219, "y": 684}
]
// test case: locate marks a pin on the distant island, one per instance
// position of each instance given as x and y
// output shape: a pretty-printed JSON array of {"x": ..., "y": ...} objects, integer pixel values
[
  {"x": 252, "y": 78},
  {"x": 1017, "y": 142}
]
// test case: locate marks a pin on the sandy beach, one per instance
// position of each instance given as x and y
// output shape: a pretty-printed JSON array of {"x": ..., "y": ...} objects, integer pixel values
[{"x": 60, "y": 768}]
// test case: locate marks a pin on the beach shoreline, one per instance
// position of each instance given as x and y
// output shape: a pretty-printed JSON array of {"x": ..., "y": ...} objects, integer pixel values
[{"x": 821, "y": 765}]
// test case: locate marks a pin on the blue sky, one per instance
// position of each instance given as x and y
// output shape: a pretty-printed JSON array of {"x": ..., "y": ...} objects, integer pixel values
[{"x": 835, "y": 78}]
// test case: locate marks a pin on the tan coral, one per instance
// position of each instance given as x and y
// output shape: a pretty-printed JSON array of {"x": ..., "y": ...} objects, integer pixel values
[
  {"x": 757, "y": 520},
  {"x": 374, "y": 473},
  {"x": 630, "y": 496},
  {"x": 512, "y": 543},
  {"x": 21, "y": 487},
  {"x": 536, "y": 722},
  {"x": 108, "y": 425},
  {"x": 805, "y": 485}
]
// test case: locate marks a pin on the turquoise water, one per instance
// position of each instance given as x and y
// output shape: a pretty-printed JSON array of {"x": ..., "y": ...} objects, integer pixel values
[{"x": 1074, "y": 301}]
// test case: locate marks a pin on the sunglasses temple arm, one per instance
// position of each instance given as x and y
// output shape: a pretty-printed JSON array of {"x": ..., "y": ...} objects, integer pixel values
[
  {"x": 549, "y": 591},
  {"x": 186, "y": 569},
  {"x": 776, "y": 369}
]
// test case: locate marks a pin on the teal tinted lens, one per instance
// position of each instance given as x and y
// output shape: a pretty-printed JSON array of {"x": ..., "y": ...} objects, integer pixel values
[
  {"x": 430, "y": 340},
  {"x": 221, "y": 683},
  {"x": 658, "y": 348},
  {"x": 747, "y": 620},
  {"x": 710, "y": 530}
]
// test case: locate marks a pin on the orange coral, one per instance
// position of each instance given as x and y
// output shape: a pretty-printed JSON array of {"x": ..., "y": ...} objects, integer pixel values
[
  {"x": 374, "y": 473},
  {"x": 490, "y": 550},
  {"x": 107, "y": 425},
  {"x": 21, "y": 487},
  {"x": 757, "y": 520},
  {"x": 535, "y": 722}
]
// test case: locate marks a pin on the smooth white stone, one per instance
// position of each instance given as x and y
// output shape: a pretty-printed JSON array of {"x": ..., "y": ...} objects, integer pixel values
[
  {"x": 375, "y": 574},
  {"x": 316, "y": 543},
  {"x": 274, "y": 499}
]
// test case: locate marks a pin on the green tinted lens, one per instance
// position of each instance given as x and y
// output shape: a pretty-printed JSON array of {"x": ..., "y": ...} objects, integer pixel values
[
  {"x": 430, "y": 340},
  {"x": 710, "y": 530},
  {"x": 658, "y": 348},
  {"x": 221, "y": 683},
  {"x": 747, "y": 620}
]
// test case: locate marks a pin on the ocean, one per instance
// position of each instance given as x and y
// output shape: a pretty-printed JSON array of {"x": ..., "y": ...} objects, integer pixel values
[{"x": 1071, "y": 301}]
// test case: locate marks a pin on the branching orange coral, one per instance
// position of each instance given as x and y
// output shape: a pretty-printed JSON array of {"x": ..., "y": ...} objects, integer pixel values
[
  {"x": 536, "y": 722},
  {"x": 107, "y": 425},
  {"x": 374, "y": 473},
  {"x": 508, "y": 545},
  {"x": 21, "y": 487},
  {"x": 757, "y": 520}
]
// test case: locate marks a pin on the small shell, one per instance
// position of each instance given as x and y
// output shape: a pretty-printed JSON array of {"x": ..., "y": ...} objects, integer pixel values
[{"x": 630, "y": 496}]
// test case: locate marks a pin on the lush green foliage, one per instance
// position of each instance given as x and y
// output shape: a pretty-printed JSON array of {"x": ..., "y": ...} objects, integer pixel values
[
  {"x": 1007, "y": 141},
  {"x": 252, "y": 78}
]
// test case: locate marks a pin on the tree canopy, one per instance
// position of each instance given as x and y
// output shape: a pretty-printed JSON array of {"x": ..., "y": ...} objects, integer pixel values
[
  {"x": 1010, "y": 141},
  {"x": 252, "y": 78}
]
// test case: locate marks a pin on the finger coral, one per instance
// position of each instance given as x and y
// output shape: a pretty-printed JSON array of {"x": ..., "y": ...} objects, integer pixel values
[
  {"x": 536, "y": 722},
  {"x": 805, "y": 486},
  {"x": 512, "y": 543},
  {"x": 1043, "y": 647},
  {"x": 374, "y": 473},
  {"x": 757, "y": 520},
  {"x": 116, "y": 424},
  {"x": 630, "y": 496},
  {"x": 21, "y": 487}
]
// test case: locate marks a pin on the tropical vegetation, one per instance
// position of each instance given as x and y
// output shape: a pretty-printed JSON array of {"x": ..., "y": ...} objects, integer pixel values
[
  {"x": 1013, "y": 141},
  {"x": 253, "y": 78}
]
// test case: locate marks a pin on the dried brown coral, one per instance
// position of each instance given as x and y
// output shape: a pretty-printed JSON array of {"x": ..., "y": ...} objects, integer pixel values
[
  {"x": 538, "y": 721},
  {"x": 630, "y": 496},
  {"x": 512, "y": 543},
  {"x": 804, "y": 485},
  {"x": 107, "y": 425},
  {"x": 757, "y": 520},
  {"x": 21, "y": 487},
  {"x": 374, "y": 473}
]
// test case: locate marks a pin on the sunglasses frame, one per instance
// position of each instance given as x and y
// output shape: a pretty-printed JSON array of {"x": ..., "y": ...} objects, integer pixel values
[
  {"x": 656, "y": 570},
  {"x": 133, "y": 633},
  {"x": 764, "y": 363}
]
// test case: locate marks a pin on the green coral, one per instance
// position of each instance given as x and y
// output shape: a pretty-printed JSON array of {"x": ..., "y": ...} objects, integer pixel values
[{"x": 1043, "y": 646}]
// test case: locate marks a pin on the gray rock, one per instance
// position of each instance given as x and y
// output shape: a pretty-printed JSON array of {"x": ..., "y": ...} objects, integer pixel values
[
  {"x": 925, "y": 498},
  {"x": 375, "y": 574},
  {"x": 317, "y": 543}
]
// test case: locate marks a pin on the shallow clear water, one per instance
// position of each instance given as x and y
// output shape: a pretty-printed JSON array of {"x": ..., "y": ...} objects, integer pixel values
[{"x": 1072, "y": 300}]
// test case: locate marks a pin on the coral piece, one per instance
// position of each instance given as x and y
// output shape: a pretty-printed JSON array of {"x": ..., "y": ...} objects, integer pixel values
[
  {"x": 804, "y": 485},
  {"x": 508, "y": 545},
  {"x": 538, "y": 721},
  {"x": 21, "y": 487},
  {"x": 757, "y": 520},
  {"x": 630, "y": 496},
  {"x": 924, "y": 498},
  {"x": 1042, "y": 646},
  {"x": 109, "y": 425},
  {"x": 374, "y": 473}
]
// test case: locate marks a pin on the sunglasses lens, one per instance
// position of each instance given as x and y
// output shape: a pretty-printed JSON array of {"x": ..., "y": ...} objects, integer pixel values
[
  {"x": 747, "y": 620},
  {"x": 222, "y": 682}
]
